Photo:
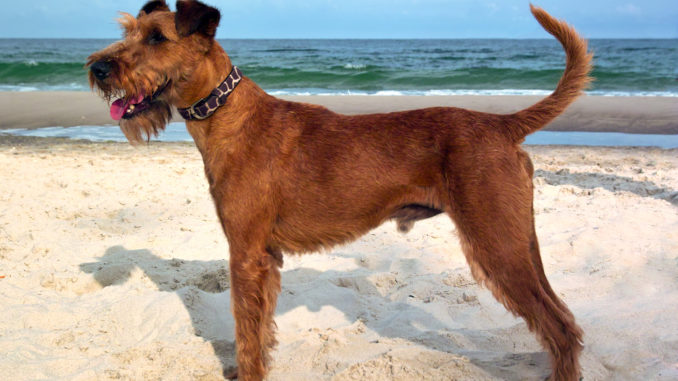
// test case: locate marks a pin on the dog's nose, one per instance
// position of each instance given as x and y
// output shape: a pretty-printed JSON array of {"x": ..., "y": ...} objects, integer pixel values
[{"x": 101, "y": 69}]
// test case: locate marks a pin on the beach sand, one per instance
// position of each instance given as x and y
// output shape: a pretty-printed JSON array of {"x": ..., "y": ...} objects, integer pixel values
[
  {"x": 113, "y": 266},
  {"x": 637, "y": 115}
]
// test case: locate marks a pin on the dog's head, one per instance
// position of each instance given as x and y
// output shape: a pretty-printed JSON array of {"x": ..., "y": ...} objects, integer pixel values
[{"x": 147, "y": 70}]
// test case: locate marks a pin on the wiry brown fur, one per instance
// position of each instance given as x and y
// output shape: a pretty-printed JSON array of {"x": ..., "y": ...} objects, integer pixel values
[{"x": 294, "y": 178}]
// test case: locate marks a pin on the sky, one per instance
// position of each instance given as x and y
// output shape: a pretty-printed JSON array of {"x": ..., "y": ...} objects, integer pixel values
[{"x": 357, "y": 18}]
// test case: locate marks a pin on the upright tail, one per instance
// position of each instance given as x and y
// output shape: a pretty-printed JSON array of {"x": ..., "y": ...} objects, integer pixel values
[{"x": 574, "y": 80}]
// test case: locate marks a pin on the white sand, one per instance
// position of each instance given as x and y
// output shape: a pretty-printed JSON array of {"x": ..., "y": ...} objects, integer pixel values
[{"x": 115, "y": 267}]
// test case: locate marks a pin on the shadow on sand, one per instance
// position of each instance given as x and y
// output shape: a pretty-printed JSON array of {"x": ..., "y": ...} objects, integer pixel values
[
  {"x": 612, "y": 183},
  {"x": 192, "y": 279}
]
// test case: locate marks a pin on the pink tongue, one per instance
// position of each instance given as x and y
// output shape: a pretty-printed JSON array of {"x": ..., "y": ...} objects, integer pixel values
[
  {"x": 118, "y": 109},
  {"x": 120, "y": 106}
]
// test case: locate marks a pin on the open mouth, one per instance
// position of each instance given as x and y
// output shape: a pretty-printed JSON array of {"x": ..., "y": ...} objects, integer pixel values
[{"x": 127, "y": 108}]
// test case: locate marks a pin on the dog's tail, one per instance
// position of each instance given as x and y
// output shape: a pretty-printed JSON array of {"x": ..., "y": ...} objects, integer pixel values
[{"x": 574, "y": 80}]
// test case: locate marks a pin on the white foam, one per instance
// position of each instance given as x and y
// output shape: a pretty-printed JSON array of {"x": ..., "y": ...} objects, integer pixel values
[
  {"x": 17, "y": 88},
  {"x": 459, "y": 92},
  {"x": 74, "y": 86},
  {"x": 353, "y": 66}
]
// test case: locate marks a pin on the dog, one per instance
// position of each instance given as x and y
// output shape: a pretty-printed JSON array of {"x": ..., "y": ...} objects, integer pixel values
[{"x": 295, "y": 178}]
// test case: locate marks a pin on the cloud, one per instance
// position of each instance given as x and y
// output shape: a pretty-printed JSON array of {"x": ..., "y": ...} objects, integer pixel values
[
  {"x": 629, "y": 9},
  {"x": 493, "y": 7}
]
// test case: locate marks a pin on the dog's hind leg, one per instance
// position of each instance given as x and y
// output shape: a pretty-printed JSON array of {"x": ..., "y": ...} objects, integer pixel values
[
  {"x": 534, "y": 242},
  {"x": 539, "y": 268},
  {"x": 493, "y": 213}
]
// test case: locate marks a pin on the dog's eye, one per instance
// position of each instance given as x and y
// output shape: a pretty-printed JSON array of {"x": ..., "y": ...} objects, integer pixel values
[{"x": 156, "y": 38}]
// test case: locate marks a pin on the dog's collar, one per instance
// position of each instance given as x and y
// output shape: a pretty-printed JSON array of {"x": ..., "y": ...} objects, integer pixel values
[{"x": 205, "y": 107}]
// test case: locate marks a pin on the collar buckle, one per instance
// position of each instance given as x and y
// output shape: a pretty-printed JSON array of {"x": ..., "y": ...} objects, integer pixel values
[{"x": 193, "y": 113}]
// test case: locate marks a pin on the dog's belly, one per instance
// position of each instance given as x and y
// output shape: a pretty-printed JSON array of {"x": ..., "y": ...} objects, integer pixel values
[{"x": 312, "y": 225}]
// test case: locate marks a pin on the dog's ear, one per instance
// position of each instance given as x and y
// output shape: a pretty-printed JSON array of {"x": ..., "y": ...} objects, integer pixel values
[
  {"x": 196, "y": 17},
  {"x": 152, "y": 6}
]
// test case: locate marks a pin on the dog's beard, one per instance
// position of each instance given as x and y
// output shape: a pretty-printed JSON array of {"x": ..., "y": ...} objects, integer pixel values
[
  {"x": 140, "y": 127},
  {"x": 149, "y": 123}
]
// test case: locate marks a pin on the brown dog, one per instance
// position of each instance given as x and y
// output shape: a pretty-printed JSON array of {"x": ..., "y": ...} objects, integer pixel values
[{"x": 293, "y": 178}]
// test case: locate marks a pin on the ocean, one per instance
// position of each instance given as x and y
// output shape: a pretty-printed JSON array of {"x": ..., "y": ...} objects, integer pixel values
[{"x": 380, "y": 67}]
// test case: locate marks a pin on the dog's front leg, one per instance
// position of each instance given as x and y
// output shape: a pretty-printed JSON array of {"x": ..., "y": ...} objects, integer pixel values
[{"x": 255, "y": 284}]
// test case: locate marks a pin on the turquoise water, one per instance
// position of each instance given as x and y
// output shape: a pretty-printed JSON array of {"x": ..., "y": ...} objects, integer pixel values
[
  {"x": 384, "y": 67},
  {"x": 176, "y": 132}
]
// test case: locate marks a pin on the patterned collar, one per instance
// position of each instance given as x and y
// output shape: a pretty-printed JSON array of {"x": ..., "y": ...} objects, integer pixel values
[{"x": 205, "y": 107}]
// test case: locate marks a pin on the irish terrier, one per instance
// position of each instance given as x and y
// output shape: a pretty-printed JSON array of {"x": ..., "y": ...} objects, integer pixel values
[{"x": 294, "y": 178}]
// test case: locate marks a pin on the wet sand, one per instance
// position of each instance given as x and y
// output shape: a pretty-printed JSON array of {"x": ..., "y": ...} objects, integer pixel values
[{"x": 639, "y": 115}]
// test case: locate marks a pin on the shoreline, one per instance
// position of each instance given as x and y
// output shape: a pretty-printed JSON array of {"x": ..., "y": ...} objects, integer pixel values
[
  {"x": 176, "y": 132},
  {"x": 634, "y": 115}
]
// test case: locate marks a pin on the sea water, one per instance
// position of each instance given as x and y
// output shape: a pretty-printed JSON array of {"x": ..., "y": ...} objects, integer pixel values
[
  {"x": 380, "y": 67},
  {"x": 176, "y": 132}
]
